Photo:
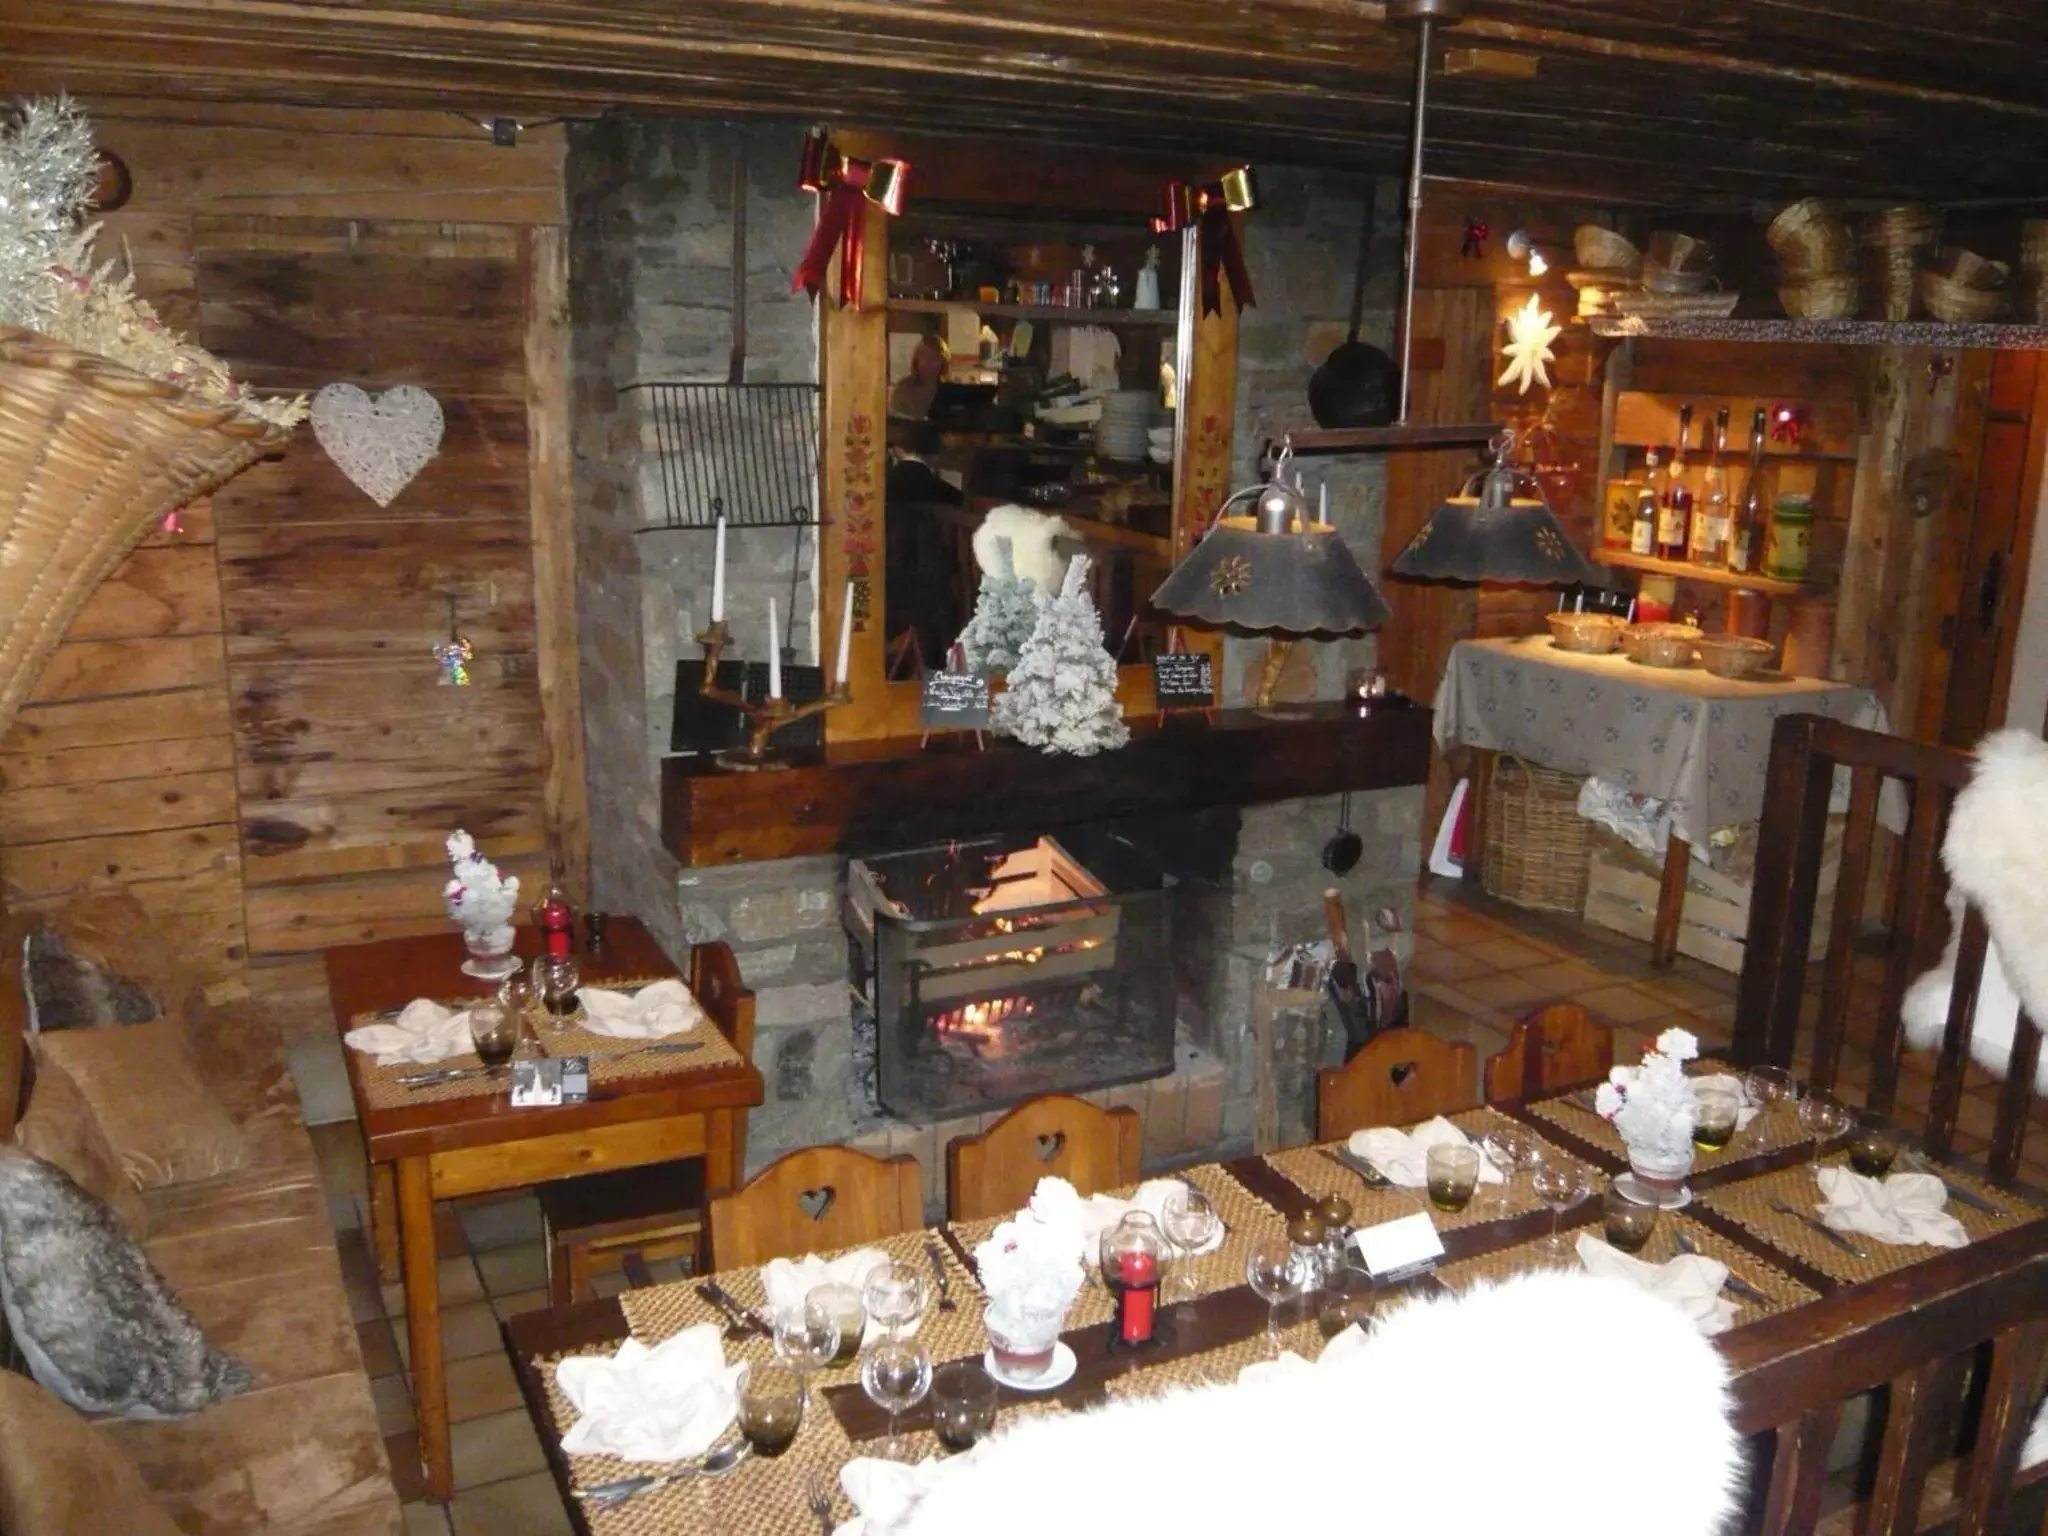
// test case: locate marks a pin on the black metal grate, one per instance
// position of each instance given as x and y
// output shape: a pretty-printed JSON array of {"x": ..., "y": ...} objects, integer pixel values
[{"x": 748, "y": 452}]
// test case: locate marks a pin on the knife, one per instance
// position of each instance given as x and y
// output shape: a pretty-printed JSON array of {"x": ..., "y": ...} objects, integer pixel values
[
  {"x": 1956, "y": 1192},
  {"x": 442, "y": 1075},
  {"x": 1343, "y": 1158},
  {"x": 1821, "y": 1227},
  {"x": 1734, "y": 1282},
  {"x": 726, "y": 1302}
]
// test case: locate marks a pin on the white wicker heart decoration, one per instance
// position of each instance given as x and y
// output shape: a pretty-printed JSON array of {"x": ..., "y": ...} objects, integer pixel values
[{"x": 380, "y": 443}]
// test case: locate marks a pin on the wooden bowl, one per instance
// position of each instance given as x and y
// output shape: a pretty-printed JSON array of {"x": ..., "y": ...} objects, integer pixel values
[
  {"x": 1831, "y": 296},
  {"x": 1957, "y": 302},
  {"x": 1590, "y": 634},
  {"x": 1603, "y": 250},
  {"x": 1970, "y": 269},
  {"x": 1735, "y": 655},
  {"x": 1660, "y": 645},
  {"x": 1811, "y": 239}
]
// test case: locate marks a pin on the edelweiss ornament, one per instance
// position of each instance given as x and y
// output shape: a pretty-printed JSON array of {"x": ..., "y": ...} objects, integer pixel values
[
  {"x": 381, "y": 443},
  {"x": 1530, "y": 333}
]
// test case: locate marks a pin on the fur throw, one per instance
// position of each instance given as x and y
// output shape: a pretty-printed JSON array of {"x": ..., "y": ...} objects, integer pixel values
[
  {"x": 1996, "y": 854},
  {"x": 1448, "y": 1421},
  {"x": 1032, "y": 552},
  {"x": 95, "y": 1321}
]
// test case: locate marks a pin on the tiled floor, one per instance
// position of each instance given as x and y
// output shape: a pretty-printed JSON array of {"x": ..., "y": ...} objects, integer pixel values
[{"x": 1479, "y": 963}]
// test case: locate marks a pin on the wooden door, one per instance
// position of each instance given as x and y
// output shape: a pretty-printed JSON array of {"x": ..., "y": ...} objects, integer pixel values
[{"x": 1980, "y": 631}]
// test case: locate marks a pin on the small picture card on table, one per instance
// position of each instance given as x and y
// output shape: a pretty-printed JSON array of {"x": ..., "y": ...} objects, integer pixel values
[{"x": 1401, "y": 1248}]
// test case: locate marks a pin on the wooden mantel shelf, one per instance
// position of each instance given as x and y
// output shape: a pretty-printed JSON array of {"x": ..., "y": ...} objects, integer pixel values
[{"x": 870, "y": 796}]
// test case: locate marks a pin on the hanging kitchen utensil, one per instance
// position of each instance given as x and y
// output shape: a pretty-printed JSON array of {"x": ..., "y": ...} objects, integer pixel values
[
  {"x": 1342, "y": 852},
  {"x": 1356, "y": 384},
  {"x": 1354, "y": 1007},
  {"x": 1382, "y": 984}
]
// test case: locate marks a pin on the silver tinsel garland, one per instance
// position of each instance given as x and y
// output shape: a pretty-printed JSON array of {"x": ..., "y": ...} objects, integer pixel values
[{"x": 48, "y": 171}]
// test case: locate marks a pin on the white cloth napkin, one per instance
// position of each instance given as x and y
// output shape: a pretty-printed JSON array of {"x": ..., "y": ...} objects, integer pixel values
[
  {"x": 1055, "y": 1202},
  {"x": 661, "y": 1404},
  {"x": 1722, "y": 1080},
  {"x": 1403, "y": 1156},
  {"x": 1691, "y": 1282},
  {"x": 885, "y": 1492},
  {"x": 423, "y": 1033},
  {"x": 1905, "y": 1208},
  {"x": 660, "y": 1008}
]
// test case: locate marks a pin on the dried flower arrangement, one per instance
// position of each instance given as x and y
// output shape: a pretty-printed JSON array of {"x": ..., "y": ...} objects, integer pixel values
[{"x": 1651, "y": 1105}]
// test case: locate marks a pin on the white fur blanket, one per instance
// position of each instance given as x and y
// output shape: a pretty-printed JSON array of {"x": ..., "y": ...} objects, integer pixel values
[
  {"x": 1996, "y": 854},
  {"x": 1032, "y": 552},
  {"x": 1454, "y": 1418}
]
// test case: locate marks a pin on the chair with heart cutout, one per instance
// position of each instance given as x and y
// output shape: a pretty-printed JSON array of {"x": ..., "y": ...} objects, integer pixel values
[
  {"x": 993, "y": 1174},
  {"x": 1401, "y": 1077},
  {"x": 1553, "y": 1049},
  {"x": 816, "y": 1200}
]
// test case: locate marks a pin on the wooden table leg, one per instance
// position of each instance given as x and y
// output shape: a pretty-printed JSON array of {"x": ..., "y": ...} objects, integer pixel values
[
  {"x": 423, "y": 1323},
  {"x": 725, "y": 1150},
  {"x": 1475, "y": 797},
  {"x": 384, "y": 1220},
  {"x": 1670, "y": 900}
]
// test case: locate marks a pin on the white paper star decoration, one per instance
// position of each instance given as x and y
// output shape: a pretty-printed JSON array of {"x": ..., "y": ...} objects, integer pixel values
[{"x": 1530, "y": 333}]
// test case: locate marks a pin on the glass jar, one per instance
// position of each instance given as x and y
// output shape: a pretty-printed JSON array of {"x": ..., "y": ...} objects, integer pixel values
[
  {"x": 1790, "y": 544},
  {"x": 1133, "y": 1265},
  {"x": 555, "y": 981},
  {"x": 1306, "y": 1233},
  {"x": 555, "y": 917}
]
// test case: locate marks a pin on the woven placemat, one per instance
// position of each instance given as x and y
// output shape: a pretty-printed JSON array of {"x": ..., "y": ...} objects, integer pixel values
[
  {"x": 1749, "y": 1203},
  {"x": 657, "y": 1312},
  {"x": 1247, "y": 1221},
  {"x": 1774, "y": 1129},
  {"x": 611, "y": 1060},
  {"x": 1314, "y": 1172}
]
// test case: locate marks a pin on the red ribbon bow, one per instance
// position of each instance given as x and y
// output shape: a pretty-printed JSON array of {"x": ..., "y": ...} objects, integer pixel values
[
  {"x": 844, "y": 186},
  {"x": 1208, "y": 206}
]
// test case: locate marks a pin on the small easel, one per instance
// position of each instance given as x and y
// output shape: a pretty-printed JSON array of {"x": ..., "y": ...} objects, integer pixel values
[
  {"x": 956, "y": 666},
  {"x": 1177, "y": 645}
]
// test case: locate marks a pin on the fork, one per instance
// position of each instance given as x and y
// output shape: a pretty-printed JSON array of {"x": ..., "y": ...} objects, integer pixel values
[{"x": 820, "y": 1502}]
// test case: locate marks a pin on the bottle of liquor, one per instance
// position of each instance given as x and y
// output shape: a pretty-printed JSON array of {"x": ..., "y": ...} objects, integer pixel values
[
  {"x": 1710, "y": 528},
  {"x": 1746, "y": 531},
  {"x": 1674, "y": 517},
  {"x": 1642, "y": 537}
]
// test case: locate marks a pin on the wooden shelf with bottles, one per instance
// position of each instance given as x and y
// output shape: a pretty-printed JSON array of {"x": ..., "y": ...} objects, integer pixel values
[
  {"x": 1069, "y": 314},
  {"x": 1685, "y": 570}
]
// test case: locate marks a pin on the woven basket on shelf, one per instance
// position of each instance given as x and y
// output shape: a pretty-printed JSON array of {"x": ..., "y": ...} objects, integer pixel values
[
  {"x": 92, "y": 455},
  {"x": 1536, "y": 840}
]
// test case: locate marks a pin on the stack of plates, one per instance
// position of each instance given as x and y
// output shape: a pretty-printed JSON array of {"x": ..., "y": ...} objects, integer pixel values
[{"x": 1127, "y": 417}]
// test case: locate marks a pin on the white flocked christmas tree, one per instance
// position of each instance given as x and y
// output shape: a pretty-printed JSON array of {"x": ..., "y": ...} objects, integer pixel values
[
  {"x": 1004, "y": 615},
  {"x": 1062, "y": 691}
]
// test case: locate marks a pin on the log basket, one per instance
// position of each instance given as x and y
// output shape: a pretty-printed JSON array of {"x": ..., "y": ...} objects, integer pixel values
[
  {"x": 92, "y": 455},
  {"x": 1536, "y": 841}
]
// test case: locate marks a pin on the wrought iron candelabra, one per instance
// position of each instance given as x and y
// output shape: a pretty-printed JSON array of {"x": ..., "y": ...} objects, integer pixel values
[{"x": 765, "y": 716}]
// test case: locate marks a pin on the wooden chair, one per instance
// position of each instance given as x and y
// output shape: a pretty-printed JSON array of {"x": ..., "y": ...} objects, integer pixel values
[
  {"x": 1399, "y": 1077},
  {"x": 816, "y": 1200},
  {"x": 1556, "y": 1048},
  {"x": 1806, "y": 751},
  {"x": 993, "y": 1174},
  {"x": 621, "y": 1219}
]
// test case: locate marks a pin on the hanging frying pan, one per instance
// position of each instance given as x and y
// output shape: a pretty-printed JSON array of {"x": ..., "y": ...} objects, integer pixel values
[{"x": 1357, "y": 384}]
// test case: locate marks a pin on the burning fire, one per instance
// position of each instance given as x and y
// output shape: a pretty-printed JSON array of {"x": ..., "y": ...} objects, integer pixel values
[{"x": 979, "y": 1025}]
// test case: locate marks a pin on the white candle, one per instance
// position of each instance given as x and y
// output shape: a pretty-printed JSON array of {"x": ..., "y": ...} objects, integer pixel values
[
  {"x": 774, "y": 653},
  {"x": 1323, "y": 503},
  {"x": 718, "y": 575},
  {"x": 845, "y": 635}
]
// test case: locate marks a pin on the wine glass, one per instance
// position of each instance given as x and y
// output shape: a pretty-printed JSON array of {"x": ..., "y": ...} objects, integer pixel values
[
  {"x": 894, "y": 1295},
  {"x": 806, "y": 1336},
  {"x": 1189, "y": 1220},
  {"x": 1275, "y": 1271},
  {"x": 1560, "y": 1185},
  {"x": 896, "y": 1374},
  {"x": 1766, "y": 1087},
  {"x": 1823, "y": 1117},
  {"x": 1511, "y": 1150}
]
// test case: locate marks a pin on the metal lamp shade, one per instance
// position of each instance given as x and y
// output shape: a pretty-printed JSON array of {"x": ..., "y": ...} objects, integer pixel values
[
  {"x": 1304, "y": 583},
  {"x": 1496, "y": 536}
]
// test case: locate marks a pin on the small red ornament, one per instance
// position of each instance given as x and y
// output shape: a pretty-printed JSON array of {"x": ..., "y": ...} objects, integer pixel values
[
  {"x": 1473, "y": 244},
  {"x": 1789, "y": 421}
]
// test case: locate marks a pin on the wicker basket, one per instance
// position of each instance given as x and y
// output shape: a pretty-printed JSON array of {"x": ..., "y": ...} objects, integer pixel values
[
  {"x": 1536, "y": 840},
  {"x": 92, "y": 455}
]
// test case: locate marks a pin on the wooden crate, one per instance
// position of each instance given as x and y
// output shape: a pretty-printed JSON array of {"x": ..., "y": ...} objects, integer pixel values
[{"x": 1621, "y": 894}]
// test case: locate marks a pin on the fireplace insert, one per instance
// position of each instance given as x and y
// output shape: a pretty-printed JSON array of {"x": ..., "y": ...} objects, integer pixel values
[{"x": 1004, "y": 968}]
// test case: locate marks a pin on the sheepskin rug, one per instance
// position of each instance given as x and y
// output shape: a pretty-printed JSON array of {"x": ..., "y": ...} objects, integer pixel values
[
  {"x": 1032, "y": 552},
  {"x": 1457, "y": 1416}
]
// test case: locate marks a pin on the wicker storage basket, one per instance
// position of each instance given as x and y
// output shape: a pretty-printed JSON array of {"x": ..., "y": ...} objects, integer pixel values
[
  {"x": 92, "y": 455},
  {"x": 1536, "y": 840}
]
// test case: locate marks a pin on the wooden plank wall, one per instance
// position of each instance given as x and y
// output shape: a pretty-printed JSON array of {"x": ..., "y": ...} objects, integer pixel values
[{"x": 246, "y": 723}]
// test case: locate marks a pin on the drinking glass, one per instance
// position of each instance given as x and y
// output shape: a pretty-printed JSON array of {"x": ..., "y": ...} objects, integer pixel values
[
  {"x": 1452, "y": 1170},
  {"x": 806, "y": 1337},
  {"x": 1511, "y": 1150},
  {"x": 896, "y": 1374},
  {"x": 1823, "y": 1117},
  {"x": 894, "y": 1297},
  {"x": 843, "y": 1304},
  {"x": 771, "y": 1407},
  {"x": 1629, "y": 1222},
  {"x": 1274, "y": 1270},
  {"x": 494, "y": 1030},
  {"x": 963, "y": 1404},
  {"x": 1872, "y": 1146},
  {"x": 1347, "y": 1298},
  {"x": 1767, "y": 1086},
  {"x": 1560, "y": 1185},
  {"x": 1189, "y": 1221},
  {"x": 1718, "y": 1111}
]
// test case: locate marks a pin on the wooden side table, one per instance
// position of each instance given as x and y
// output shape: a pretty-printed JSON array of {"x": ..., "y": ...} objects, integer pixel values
[{"x": 481, "y": 1145}]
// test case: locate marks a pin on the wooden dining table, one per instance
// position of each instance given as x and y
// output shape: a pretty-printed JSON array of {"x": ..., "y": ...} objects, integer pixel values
[{"x": 1823, "y": 1315}]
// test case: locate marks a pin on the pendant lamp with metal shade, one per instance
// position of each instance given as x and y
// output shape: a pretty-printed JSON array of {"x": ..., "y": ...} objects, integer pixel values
[
  {"x": 1278, "y": 573},
  {"x": 1489, "y": 532}
]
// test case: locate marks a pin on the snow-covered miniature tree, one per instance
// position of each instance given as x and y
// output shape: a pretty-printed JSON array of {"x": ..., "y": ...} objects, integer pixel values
[
  {"x": 1062, "y": 692},
  {"x": 1004, "y": 616}
]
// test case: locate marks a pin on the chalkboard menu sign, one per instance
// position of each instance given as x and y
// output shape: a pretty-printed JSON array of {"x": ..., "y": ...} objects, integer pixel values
[
  {"x": 1183, "y": 680},
  {"x": 954, "y": 701}
]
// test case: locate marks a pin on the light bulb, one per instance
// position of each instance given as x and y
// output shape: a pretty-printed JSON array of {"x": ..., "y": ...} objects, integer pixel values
[{"x": 1537, "y": 265}]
